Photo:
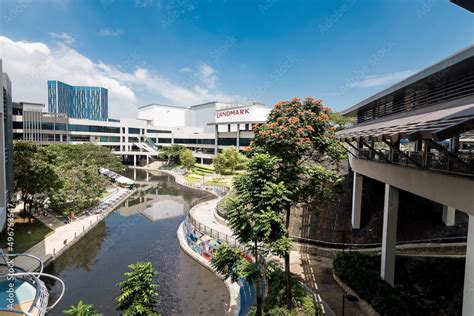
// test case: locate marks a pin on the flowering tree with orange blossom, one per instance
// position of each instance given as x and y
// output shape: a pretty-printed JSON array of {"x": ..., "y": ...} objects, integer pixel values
[{"x": 300, "y": 133}]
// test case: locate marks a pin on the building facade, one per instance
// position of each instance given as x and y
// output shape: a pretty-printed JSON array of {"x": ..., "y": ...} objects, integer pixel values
[
  {"x": 6, "y": 147},
  {"x": 416, "y": 136},
  {"x": 205, "y": 129},
  {"x": 78, "y": 101}
]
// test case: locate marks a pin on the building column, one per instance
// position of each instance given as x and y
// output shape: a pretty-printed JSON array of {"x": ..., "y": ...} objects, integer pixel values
[
  {"x": 147, "y": 160},
  {"x": 238, "y": 136},
  {"x": 389, "y": 236},
  {"x": 356, "y": 200},
  {"x": 468, "y": 297},
  {"x": 449, "y": 215},
  {"x": 216, "y": 139},
  {"x": 134, "y": 160}
]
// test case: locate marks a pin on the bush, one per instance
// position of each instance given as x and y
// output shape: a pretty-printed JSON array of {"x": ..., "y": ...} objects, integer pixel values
[
  {"x": 425, "y": 286},
  {"x": 187, "y": 159},
  {"x": 274, "y": 303},
  {"x": 228, "y": 160}
]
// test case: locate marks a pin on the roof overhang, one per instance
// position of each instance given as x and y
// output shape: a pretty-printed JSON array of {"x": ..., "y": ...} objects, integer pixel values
[
  {"x": 438, "y": 122},
  {"x": 421, "y": 75}
]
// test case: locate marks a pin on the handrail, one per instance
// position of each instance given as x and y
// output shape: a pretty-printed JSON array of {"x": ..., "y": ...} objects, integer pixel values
[
  {"x": 48, "y": 276},
  {"x": 25, "y": 255}
]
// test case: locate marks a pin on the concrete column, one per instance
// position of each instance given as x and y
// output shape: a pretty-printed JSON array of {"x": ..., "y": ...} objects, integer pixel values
[
  {"x": 147, "y": 160},
  {"x": 389, "y": 236},
  {"x": 216, "y": 139},
  {"x": 449, "y": 215},
  {"x": 238, "y": 136},
  {"x": 468, "y": 298},
  {"x": 356, "y": 200},
  {"x": 134, "y": 160}
]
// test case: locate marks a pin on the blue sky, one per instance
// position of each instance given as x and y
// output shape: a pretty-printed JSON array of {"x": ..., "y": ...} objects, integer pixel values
[{"x": 188, "y": 51}]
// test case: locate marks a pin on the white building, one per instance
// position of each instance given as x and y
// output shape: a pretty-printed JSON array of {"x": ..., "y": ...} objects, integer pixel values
[{"x": 204, "y": 128}]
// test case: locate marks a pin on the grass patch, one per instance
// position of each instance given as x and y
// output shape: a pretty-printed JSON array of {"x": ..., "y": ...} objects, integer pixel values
[
  {"x": 274, "y": 302},
  {"x": 27, "y": 234},
  {"x": 192, "y": 178},
  {"x": 423, "y": 286}
]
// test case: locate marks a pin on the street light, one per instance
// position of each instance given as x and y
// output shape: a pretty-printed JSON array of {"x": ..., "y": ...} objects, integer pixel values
[{"x": 350, "y": 298}]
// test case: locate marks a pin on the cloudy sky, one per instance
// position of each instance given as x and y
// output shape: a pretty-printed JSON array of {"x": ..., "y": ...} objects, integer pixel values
[{"x": 184, "y": 52}]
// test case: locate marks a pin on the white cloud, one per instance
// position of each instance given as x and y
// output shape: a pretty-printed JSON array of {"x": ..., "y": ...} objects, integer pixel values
[
  {"x": 31, "y": 64},
  {"x": 207, "y": 75},
  {"x": 186, "y": 69},
  {"x": 109, "y": 32},
  {"x": 380, "y": 80},
  {"x": 63, "y": 37}
]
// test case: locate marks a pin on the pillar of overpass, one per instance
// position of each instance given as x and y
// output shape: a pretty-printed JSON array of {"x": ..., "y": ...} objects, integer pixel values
[
  {"x": 449, "y": 215},
  {"x": 389, "y": 235},
  {"x": 468, "y": 297},
  {"x": 356, "y": 200}
]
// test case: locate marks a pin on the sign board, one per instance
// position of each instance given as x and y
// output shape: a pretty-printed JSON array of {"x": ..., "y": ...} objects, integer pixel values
[{"x": 242, "y": 114}]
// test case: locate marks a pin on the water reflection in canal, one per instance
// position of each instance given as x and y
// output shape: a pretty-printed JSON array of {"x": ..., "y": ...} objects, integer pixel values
[{"x": 141, "y": 229}]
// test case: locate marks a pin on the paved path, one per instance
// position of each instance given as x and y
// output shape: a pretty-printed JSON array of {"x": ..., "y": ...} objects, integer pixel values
[
  {"x": 315, "y": 272},
  {"x": 66, "y": 235}
]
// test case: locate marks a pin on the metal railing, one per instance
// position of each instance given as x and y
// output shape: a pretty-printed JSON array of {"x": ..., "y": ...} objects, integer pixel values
[{"x": 219, "y": 236}]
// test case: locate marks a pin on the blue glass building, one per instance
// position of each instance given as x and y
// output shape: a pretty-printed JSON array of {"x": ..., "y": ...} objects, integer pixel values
[{"x": 78, "y": 101}]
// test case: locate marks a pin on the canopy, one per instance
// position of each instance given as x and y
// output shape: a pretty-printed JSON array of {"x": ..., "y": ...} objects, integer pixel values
[{"x": 437, "y": 122}]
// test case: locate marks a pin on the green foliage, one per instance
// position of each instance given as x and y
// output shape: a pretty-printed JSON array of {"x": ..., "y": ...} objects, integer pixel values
[
  {"x": 254, "y": 215},
  {"x": 66, "y": 176},
  {"x": 78, "y": 167},
  {"x": 229, "y": 160},
  {"x": 274, "y": 303},
  {"x": 297, "y": 129},
  {"x": 341, "y": 122},
  {"x": 87, "y": 154},
  {"x": 360, "y": 272},
  {"x": 82, "y": 309},
  {"x": 172, "y": 153},
  {"x": 137, "y": 292},
  {"x": 34, "y": 174},
  {"x": 187, "y": 159}
]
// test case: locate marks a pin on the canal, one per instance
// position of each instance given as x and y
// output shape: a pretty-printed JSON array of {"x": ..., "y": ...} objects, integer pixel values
[{"x": 141, "y": 229}]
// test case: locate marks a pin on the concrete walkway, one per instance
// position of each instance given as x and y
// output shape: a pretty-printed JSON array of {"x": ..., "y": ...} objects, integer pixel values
[
  {"x": 66, "y": 235},
  {"x": 314, "y": 271}
]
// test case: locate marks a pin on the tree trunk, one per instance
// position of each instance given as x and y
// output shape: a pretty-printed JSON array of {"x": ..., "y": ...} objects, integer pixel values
[
  {"x": 287, "y": 264},
  {"x": 257, "y": 284}
]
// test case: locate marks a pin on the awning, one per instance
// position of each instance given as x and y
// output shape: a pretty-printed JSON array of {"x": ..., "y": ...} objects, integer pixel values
[{"x": 438, "y": 122}]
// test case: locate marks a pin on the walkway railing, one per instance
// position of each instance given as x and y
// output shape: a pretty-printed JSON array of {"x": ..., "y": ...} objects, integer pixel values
[{"x": 206, "y": 230}]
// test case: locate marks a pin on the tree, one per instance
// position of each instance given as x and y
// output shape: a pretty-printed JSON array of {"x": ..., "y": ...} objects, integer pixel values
[
  {"x": 229, "y": 160},
  {"x": 82, "y": 309},
  {"x": 171, "y": 153},
  {"x": 86, "y": 154},
  {"x": 35, "y": 177},
  {"x": 137, "y": 292},
  {"x": 255, "y": 218},
  {"x": 301, "y": 135},
  {"x": 187, "y": 159},
  {"x": 82, "y": 184},
  {"x": 339, "y": 121}
]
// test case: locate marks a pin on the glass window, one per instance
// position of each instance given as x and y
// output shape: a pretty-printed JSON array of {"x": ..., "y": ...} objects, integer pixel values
[
  {"x": 133, "y": 130},
  {"x": 164, "y": 140},
  {"x": 227, "y": 141},
  {"x": 158, "y": 131}
]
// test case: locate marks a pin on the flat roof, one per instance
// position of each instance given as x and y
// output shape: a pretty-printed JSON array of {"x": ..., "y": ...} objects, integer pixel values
[
  {"x": 165, "y": 105},
  {"x": 464, "y": 54}
]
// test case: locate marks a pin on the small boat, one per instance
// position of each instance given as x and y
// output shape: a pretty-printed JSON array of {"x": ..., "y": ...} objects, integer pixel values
[{"x": 22, "y": 292}]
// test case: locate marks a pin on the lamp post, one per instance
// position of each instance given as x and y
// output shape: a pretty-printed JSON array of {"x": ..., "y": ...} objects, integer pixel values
[{"x": 350, "y": 298}]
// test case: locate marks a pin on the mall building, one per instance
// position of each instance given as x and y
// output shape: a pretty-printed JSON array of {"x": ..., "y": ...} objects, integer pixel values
[{"x": 206, "y": 128}]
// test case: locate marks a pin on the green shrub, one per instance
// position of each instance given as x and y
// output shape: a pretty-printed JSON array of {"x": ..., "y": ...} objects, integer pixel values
[
  {"x": 274, "y": 303},
  {"x": 424, "y": 286}
]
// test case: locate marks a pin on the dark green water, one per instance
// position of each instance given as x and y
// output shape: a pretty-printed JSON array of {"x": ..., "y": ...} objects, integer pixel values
[{"x": 141, "y": 229}]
